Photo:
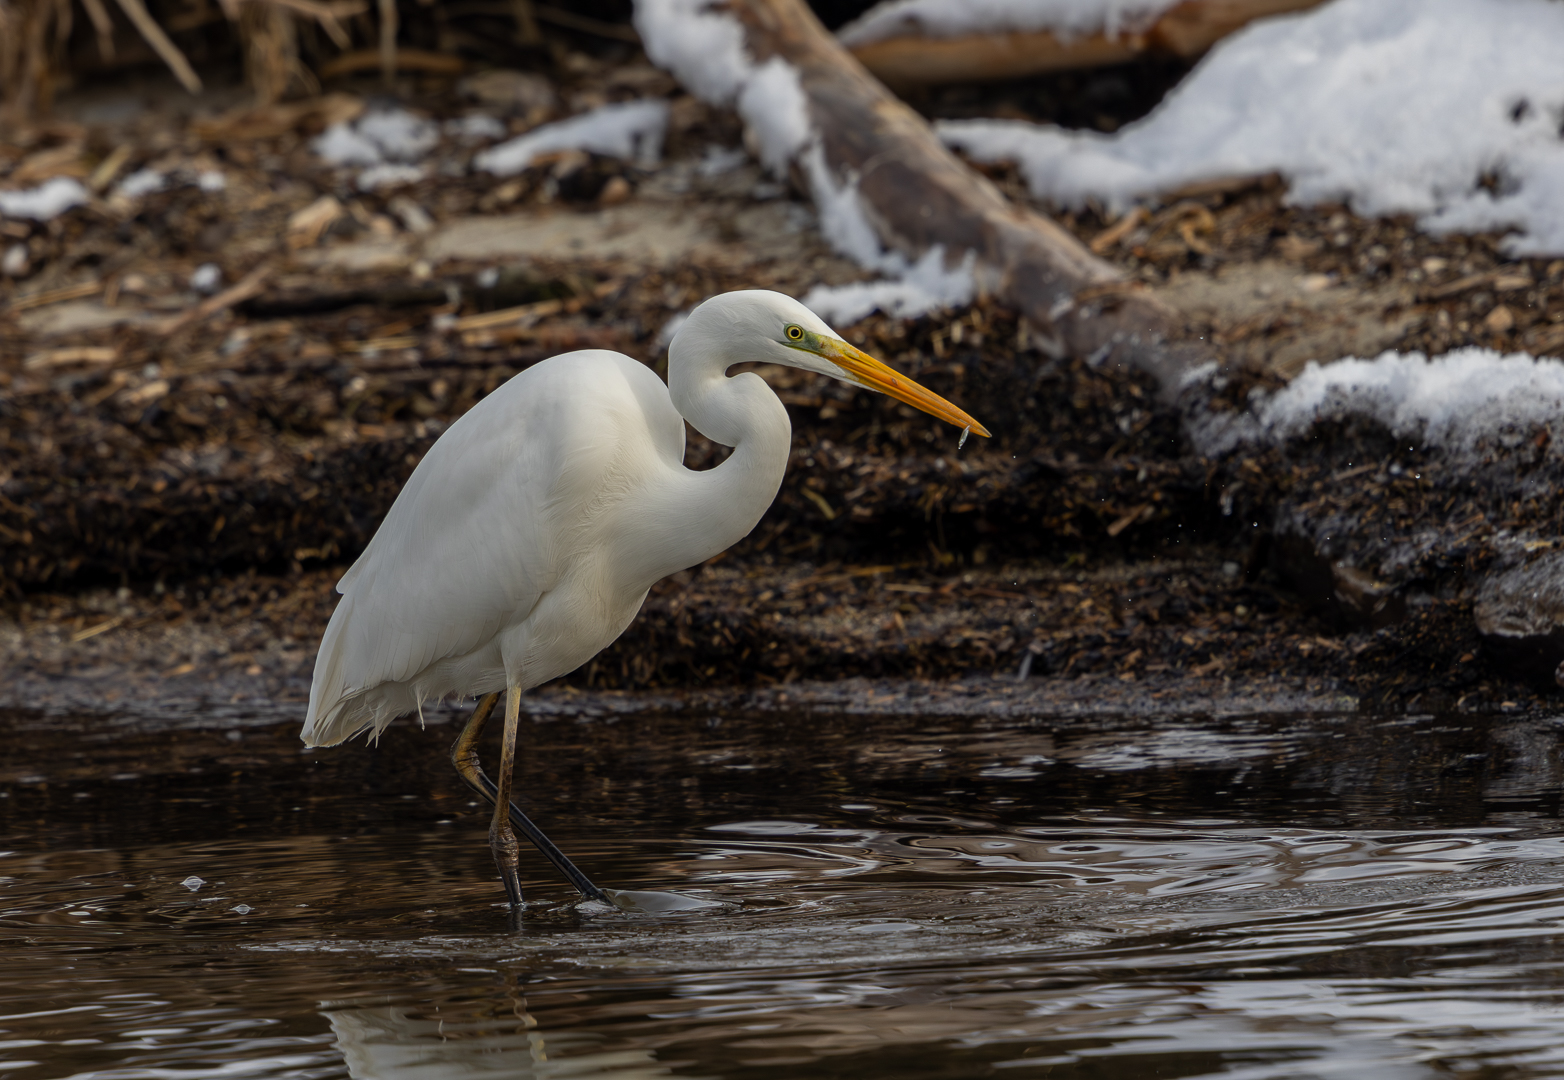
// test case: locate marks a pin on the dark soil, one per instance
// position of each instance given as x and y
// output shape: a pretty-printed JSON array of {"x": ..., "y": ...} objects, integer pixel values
[{"x": 184, "y": 506}]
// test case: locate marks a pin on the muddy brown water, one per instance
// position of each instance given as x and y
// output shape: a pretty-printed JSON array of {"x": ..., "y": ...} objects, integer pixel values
[{"x": 1177, "y": 895}]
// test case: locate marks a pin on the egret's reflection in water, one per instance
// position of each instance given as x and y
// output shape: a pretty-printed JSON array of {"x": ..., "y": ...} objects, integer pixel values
[
  {"x": 394, "y": 1042},
  {"x": 1283, "y": 896}
]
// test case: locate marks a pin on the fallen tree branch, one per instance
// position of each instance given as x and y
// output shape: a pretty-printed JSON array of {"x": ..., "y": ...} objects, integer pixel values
[
  {"x": 147, "y": 26},
  {"x": 351, "y": 63},
  {"x": 250, "y": 285},
  {"x": 913, "y": 59},
  {"x": 917, "y": 195}
]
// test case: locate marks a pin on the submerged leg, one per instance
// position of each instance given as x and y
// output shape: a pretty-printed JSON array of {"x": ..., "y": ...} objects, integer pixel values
[
  {"x": 502, "y": 838},
  {"x": 464, "y": 755}
]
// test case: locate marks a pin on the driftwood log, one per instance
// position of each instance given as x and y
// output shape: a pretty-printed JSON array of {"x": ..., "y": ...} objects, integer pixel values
[
  {"x": 1483, "y": 576},
  {"x": 918, "y": 194},
  {"x": 1186, "y": 30}
]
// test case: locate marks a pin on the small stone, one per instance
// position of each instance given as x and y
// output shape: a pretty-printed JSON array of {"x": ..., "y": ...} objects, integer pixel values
[
  {"x": 1501, "y": 320},
  {"x": 1519, "y": 615},
  {"x": 207, "y": 278},
  {"x": 15, "y": 261},
  {"x": 413, "y": 217},
  {"x": 513, "y": 91},
  {"x": 617, "y": 190}
]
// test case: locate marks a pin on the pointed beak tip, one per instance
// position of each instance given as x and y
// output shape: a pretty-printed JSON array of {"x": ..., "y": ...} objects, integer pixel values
[{"x": 865, "y": 370}]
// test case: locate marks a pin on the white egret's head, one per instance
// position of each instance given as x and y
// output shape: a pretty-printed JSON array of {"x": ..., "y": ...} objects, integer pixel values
[{"x": 760, "y": 326}]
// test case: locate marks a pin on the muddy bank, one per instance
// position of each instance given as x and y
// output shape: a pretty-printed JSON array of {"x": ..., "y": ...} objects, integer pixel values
[{"x": 181, "y": 481}]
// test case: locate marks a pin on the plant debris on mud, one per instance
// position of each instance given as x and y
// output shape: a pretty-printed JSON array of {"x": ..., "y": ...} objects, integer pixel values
[{"x": 184, "y": 474}]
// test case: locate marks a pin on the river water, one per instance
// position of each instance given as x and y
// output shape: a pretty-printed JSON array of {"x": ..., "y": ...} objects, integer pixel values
[{"x": 1270, "y": 896}]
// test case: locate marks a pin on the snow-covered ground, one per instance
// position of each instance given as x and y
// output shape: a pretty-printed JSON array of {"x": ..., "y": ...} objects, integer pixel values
[
  {"x": 632, "y": 130},
  {"x": 392, "y": 145},
  {"x": 704, "y": 48},
  {"x": 1449, "y": 110},
  {"x": 44, "y": 202},
  {"x": 1446, "y": 109},
  {"x": 1453, "y": 402}
]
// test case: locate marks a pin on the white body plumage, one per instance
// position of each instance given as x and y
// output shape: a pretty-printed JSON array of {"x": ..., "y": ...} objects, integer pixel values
[{"x": 527, "y": 538}]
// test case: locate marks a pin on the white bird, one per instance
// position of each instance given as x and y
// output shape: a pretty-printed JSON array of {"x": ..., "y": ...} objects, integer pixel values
[{"x": 526, "y": 540}]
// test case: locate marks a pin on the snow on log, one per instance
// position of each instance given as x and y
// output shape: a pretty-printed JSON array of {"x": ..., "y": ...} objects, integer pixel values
[
  {"x": 1432, "y": 108},
  {"x": 888, "y": 192},
  {"x": 911, "y": 43}
]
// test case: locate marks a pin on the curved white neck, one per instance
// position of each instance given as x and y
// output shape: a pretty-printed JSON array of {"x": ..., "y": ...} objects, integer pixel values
[{"x": 695, "y": 515}]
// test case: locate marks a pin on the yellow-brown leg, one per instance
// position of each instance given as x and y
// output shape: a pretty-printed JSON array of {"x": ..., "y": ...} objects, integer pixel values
[
  {"x": 464, "y": 751},
  {"x": 464, "y": 755},
  {"x": 502, "y": 838}
]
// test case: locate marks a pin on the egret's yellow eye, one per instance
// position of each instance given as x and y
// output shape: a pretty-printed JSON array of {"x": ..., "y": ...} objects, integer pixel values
[{"x": 795, "y": 333}]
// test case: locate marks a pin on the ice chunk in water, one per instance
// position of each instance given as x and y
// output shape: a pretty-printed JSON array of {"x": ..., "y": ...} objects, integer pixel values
[
  {"x": 649, "y": 902},
  {"x": 193, "y": 883}
]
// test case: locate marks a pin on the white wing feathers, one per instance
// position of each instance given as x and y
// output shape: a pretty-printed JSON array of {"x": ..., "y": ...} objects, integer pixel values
[{"x": 480, "y": 533}]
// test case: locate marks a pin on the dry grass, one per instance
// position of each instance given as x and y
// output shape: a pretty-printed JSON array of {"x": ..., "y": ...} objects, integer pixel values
[
  {"x": 33, "y": 34},
  {"x": 41, "y": 49}
]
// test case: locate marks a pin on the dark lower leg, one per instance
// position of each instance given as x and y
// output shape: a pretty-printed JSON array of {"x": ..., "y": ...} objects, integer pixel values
[{"x": 464, "y": 755}]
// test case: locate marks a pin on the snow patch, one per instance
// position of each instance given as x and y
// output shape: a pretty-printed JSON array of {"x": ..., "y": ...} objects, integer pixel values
[
  {"x": 842, "y": 220},
  {"x": 207, "y": 278},
  {"x": 398, "y": 134},
  {"x": 141, "y": 182},
  {"x": 376, "y": 137},
  {"x": 631, "y": 129},
  {"x": 389, "y": 144},
  {"x": 1454, "y": 401},
  {"x": 389, "y": 174},
  {"x": 1445, "y": 109},
  {"x": 704, "y": 48},
  {"x": 720, "y": 159},
  {"x": 341, "y": 145},
  {"x": 475, "y": 127},
  {"x": 1066, "y": 19},
  {"x": 46, "y": 201},
  {"x": 924, "y": 286},
  {"x": 773, "y": 106},
  {"x": 699, "y": 43}
]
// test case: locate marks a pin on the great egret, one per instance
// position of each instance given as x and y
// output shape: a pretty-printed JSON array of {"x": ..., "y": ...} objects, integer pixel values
[{"x": 527, "y": 538}]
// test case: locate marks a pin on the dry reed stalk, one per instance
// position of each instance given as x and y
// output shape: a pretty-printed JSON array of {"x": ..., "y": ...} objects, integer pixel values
[
  {"x": 103, "y": 26},
  {"x": 271, "y": 50},
  {"x": 388, "y": 29},
  {"x": 268, "y": 33},
  {"x": 328, "y": 15},
  {"x": 34, "y": 33},
  {"x": 32, "y": 36},
  {"x": 148, "y": 28}
]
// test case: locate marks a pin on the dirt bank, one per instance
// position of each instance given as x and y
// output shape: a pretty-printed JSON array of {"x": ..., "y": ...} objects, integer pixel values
[{"x": 182, "y": 479}]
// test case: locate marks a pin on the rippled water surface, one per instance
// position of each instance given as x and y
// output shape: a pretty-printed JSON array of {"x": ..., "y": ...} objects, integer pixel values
[{"x": 1276, "y": 896}]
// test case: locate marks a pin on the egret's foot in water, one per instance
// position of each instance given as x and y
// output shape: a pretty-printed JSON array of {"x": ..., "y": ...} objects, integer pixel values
[
  {"x": 507, "y": 857},
  {"x": 464, "y": 756}
]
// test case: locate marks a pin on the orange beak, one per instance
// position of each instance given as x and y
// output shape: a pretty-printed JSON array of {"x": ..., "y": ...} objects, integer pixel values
[{"x": 865, "y": 370}]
